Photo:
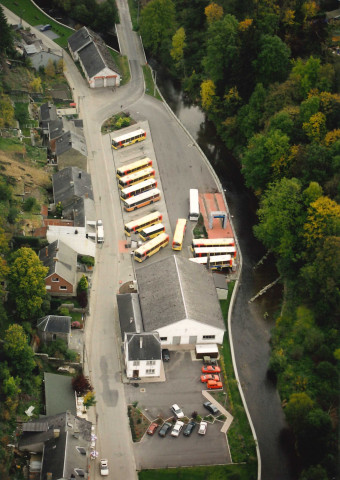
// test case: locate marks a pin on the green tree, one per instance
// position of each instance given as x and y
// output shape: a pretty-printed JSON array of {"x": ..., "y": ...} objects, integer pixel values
[
  {"x": 15, "y": 341},
  {"x": 272, "y": 62},
  {"x": 311, "y": 74},
  {"x": 314, "y": 473},
  {"x": 6, "y": 38},
  {"x": 157, "y": 25},
  {"x": 50, "y": 69},
  {"x": 90, "y": 399},
  {"x": 6, "y": 111},
  {"x": 27, "y": 285},
  {"x": 208, "y": 91},
  {"x": 323, "y": 220},
  {"x": 297, "y": 409},
  {"x": 178, "y": 46},
  {"x": 83, "y": 284}
]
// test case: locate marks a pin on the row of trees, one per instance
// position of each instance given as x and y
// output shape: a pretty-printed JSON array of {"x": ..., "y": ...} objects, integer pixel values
[{"x": 266, "y": 74}]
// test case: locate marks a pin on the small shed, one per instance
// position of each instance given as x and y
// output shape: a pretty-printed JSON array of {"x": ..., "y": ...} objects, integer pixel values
[{"x": 207, "y": 350}]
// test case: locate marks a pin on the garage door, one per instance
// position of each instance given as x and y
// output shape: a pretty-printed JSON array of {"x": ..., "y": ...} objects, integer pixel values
[
  {"x": 176, "y": 340},
  {"x": 110, "y": 81},
  {"x": 193, "y": 339},
  {"x": 98, "y": 82}
]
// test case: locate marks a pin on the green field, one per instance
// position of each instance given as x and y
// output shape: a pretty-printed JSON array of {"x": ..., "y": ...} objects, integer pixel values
[{"x": 216, "y": 472}]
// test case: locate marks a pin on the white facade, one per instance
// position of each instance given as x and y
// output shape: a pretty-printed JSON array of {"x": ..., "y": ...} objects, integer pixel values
[
  {"x": 104, "y": 78},
  {"x": 141, "y": 368},
  {"x": 188, "y": 331}
]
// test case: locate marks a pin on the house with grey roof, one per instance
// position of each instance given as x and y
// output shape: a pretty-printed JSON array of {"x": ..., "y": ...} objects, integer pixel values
[
  {"x": 48, "y": 113},
  {"x": 52, "y": 327},
  {"x": 130, "y": 315},
  {"x": 70, "y": 150},
  {"x": 60, "y": 446},
  {"x": 143, "y": 355},
  {"x": 61, "y": 261},
  {"x": 71, "y": 183},
  {"x": 178, "y": 300},
  {"x": 95, "y": 59},
  {"x": 59, "y": 394}
]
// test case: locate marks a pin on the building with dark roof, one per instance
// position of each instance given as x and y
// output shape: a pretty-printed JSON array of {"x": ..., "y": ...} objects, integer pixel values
[
  {"x": 178, "y": 299},
  {"x": 48, "y": 113},
  {"x": 52, "y": 327},
  {"x": 130, "y": 315},
  {"x": 70, "y": 151},
  {"x": 59, "y": 394},
  {"x": 95, "y": 59},
  {"x": 71, "y": 183},
  {"x": 61, "y": 261},
  {"x": 143, "y": 355}
]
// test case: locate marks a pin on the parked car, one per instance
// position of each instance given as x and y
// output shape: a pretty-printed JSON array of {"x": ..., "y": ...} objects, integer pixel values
[
  {"x": 211, "y": 407},
  {"x": 177, "y": 411},
  {"x": 189, "y": 428},
  {"x": 208, "y": 376},
  {"x": 212, "y": 385},
  {"x": 211, "y": 369},
  {"x": 202, "y": 428},
  {"x": 45, "y": 27},
  {"x": 165, "y": 428},
  {"x": 152, "y": 428},
  {"x": 177, "y": 428},
  {"x": 165, "y": 355},
  {"x": 104, "y": 467}
]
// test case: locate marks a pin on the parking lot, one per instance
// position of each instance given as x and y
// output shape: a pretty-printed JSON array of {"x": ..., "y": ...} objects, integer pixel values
[{"x": 182, "y": 386}]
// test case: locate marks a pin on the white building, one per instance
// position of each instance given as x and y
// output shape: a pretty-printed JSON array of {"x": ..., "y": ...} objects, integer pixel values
[{"x": 143, "y": 356}]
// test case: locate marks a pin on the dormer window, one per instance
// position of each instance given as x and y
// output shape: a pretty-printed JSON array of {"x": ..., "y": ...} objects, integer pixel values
[
  {"x": 80, "y": 472},
  {"x": 81, "y": 450}
]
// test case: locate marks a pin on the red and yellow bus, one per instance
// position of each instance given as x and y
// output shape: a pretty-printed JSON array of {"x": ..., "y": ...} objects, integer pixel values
[
  {"x": 177, "y": 241},
  {"x": 136, "y": 177},
  {"x": 217, "y": 262},
  {"x": 151, "y": 247},
  {"x": 151, "y": 232},
  {"x": 139, "y": 201},
  {"x": 138, "y": 188},
  {"x": 205, "y": 251},
  {"x": 137, "y": 225},
  {"x": 212, "y": 242},
  {"x": 120, "y": 141},
  {"x": 133, "y": 167}
]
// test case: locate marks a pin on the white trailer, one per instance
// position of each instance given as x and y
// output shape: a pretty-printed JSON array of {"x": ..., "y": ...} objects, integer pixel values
[
  {"x": 100, "y": 232},
  {"x": 194, "y": 211}
]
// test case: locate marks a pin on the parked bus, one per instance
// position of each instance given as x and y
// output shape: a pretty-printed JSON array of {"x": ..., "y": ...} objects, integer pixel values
[
  {"x": 151, "y": 247},
  {"x": 136, "y": 177},
  {"x": 137, "y": 225},
  {"x": 205, "y": 251},
  {"x": 179, "y": 234},
  {"x": 119, "y": 141},
  {"x": 133, "y": 167},
  {"x": 151, "y": 232},
  {"x": 212, "y": 242},
  {"x": 141, "y": 200},
  {"x": 194, "y": 209},
  {"x": 138, "y": 188},
  {"x": 217, "y": 262}
]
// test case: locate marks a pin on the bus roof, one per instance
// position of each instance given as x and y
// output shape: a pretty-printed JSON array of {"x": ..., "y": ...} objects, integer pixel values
[
  {"x": 121, "y": 138},
  {"x": 137, "y": 186},
  {"x": 142, "y": 220},
  {"x": 153, "y": 228},
  {"x": 211, "y": 242},
  {"x": 136, "y": 164},
  {"x": 222, "y": 249},
  {"x": 134, "y": 175},
  {"x": 214, "y": 259},
  {"x": 152, "y": 243},
  {"x": 141, "y": 196}
]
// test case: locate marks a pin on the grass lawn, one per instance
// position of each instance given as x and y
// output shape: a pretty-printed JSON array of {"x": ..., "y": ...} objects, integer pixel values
[
  {"x": 123, "y": 66},
  {"x": 134, "y": 13},
  {"x": 149, "y": 83},
  {"x": 216, "y": 472}
]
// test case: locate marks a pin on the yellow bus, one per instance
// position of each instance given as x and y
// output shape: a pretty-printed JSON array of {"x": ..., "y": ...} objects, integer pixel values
[
  {"x": 212, "y": 242},
  {"x": 179, "y": 234},
  {"x": 151, "y": 232},
  {"x": 133, "y": 167},
  {"x": 141, "y": 200},
  {"x": 138, "y": 188},
  {"x": 205, "y": 251},
  {"x": 151, "y": 247},
  {"x": 137, "y": 225},
  {"x": 217, "y": 262},
  {"x": 120, "y": 141},
  {"x": 136, "y": 177}
]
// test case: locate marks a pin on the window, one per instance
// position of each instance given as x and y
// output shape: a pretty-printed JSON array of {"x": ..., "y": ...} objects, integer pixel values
[
  {"x": 136, "y": 363},
  {"x": 62, "y": 287},
  {"x": 54, "y": 337},
  {"x": 81, "y": 450},
  {"x": 80, "y": 472},
  {"x": 150, "y": 371},
  {"x": 208, "y": 337},
  {"x": 164, "y": 339},
  {"x": 55, "y": 279},
  {"x": 151, "y": 362}
]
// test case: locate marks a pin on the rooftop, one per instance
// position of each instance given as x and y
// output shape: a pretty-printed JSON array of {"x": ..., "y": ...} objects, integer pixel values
[
  {"x": 143, "y": 346},
  {"x": 60, "y": 259},
  {"x": 70, "y": 183},
  {"x": 59, "y": 394}
]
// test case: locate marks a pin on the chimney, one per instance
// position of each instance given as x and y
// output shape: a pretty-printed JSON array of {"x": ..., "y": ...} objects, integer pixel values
[
  {"x": 79, "y": 175},
  {"x": 46, "y": 251},
  {"x": 56, "y": 432},
  {"x": 55, "y": 259},
  {"x": 141, "y": 342}
]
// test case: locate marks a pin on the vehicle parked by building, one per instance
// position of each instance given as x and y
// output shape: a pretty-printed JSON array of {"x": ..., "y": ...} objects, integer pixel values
[
  {"x": 165, "y": 355},
  {"x": 211, "y": 369}
]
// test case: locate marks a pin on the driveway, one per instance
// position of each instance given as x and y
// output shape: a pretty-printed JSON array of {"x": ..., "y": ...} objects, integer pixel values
[{"x": 182, "y": 386}]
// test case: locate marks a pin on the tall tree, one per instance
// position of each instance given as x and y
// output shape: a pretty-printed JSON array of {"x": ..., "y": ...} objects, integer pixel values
[
  {"x": 272, "y": 63},
  {"x": 178, "y": 46},
  {"x": 157, "y": 25},
  {"x": 6, "y": 39}
]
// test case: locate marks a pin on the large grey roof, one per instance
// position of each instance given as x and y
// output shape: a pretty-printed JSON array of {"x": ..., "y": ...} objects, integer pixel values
[
  {"x": 48, "y": 112},
  {"x": 91, "y": 59},
  {"x": 174, "y": 289},
  {"x": 59, "y": 394},
  {"x": 55, "y": 128},
  {"x": 79, "y": 39},
  {"x": 55, "y": 324},
  {"x": 143, "y": 346},
  {"x": 60, "y": 259},
  {"x": 70, "y": 140},
  {"x": 69, "y": 183},
  {"x": 130, "y": 315}
]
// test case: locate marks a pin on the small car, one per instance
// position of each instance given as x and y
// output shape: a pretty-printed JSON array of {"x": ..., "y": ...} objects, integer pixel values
[
  {"x": 165, "y": 428},
  {"x": 165, "y": 355},
  {"x": 211, "y": 369},
  {"x": 205, "y": 378},
  {"x": 212, "y": 385},
  {"x": 152, "y": 428},
  {"x": 177, "y": 428},
  {"x": 45, "y": 27},
  {"x": 177, "y": 411},
  {"x": 189, "y": 428},
  {"x": 104, "y": 467},
  {"x": 202, "y": 428},
  {"x": 212, "y": 409}
]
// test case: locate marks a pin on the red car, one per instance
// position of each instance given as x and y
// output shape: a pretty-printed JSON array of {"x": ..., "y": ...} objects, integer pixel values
[
  {"x": 152, "y": 428},
  {"x": 212, "y": 385},
  {"x": 205, "y": 378},
  {"x": 211, "y": 369}
]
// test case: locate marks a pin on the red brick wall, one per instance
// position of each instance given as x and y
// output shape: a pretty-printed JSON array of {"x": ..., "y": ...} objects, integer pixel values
[{"x": 55, "y": 285}]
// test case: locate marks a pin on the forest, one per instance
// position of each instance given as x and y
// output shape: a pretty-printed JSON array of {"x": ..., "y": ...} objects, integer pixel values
[{"x": 267, "y": 73}]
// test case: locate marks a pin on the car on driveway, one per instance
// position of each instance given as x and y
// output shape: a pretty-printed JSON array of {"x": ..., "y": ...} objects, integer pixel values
[
  {"x": 202, "y": 428},
  {"x": 104, "y": 467},
  {"x": 189, "y": 428},
  {"x": 165, "y": 355},
  {"x": 208, "y": 376},
  {"x": 177, "y": 411},
  {"x": 211, "y": 407},
  {"x": 165, "y": 428},
  {"x": 212, "y": 385},
  {"x": 152, "y": 428},
  {"x": 177, "y": 428},
  {"x": 211, "y": 369}
]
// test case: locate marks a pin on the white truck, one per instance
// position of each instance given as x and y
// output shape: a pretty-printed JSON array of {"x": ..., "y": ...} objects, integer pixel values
[{"x": 100, "y": 232}]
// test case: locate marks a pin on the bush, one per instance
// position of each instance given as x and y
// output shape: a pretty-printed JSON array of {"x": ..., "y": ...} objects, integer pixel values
[
  {"x": 29, "y": 204},
  {"x": 64, "y": 311},
  {"x": 87, "y": 260}
]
